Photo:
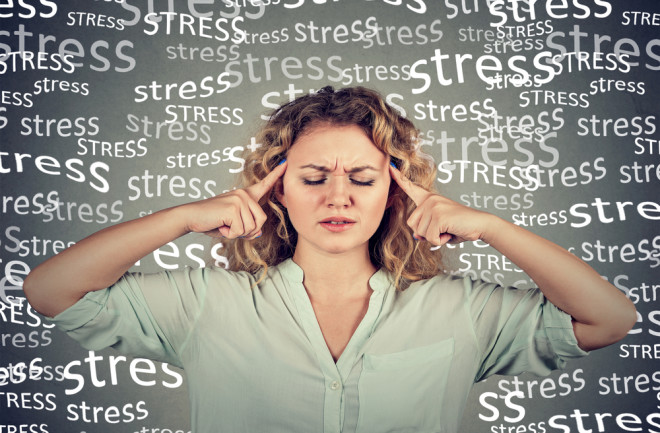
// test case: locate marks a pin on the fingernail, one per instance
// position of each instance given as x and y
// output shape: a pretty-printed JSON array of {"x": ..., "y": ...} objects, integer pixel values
[
  {"x": 393, "y": 164},
  {"x": 282, "y": 161},
  {"x": 258, "y": 236},
  {"x": 415, "y": 237}
]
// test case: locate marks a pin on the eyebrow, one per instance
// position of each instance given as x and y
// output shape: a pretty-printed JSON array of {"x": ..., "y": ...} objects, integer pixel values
[{"x": 328, "y": 170}]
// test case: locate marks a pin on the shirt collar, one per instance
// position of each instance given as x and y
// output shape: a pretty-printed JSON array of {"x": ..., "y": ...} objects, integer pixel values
[{"x": 378, "y": 282}]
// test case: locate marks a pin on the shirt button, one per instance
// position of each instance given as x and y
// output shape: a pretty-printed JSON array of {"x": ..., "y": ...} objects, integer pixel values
[{"x": 334, "y": 385}]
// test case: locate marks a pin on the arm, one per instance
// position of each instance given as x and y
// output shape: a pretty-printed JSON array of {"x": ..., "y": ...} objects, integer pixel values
[
  {"x": 99, "y": 260},
  {"x": 602, "y": 315}
]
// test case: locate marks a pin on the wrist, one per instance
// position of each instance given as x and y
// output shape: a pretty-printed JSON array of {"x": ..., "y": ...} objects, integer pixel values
[
  {"x": 493, "y": 227},
  {"x": 179, "y": 218}
]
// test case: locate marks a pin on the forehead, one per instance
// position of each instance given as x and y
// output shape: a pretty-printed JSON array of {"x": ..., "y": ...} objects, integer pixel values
[{"x": 329, "y": 143}]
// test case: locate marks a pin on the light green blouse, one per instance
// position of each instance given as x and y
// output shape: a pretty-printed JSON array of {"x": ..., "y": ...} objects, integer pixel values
[{"x": 255, "y": 358}]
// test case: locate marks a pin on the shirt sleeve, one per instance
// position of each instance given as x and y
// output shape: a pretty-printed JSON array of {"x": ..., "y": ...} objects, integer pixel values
[
  {"x": 519, "y": 330},
  {"x": 143, "y": 315}
]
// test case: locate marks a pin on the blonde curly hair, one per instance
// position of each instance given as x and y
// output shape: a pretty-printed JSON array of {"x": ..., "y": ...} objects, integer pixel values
[{"x": 392, "y": 246}]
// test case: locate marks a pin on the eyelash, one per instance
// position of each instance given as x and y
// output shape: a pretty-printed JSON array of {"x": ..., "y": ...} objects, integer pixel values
[{"x": 355, "y": 182}]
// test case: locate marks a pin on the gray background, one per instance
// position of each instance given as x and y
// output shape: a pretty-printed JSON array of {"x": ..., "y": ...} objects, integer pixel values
[{"x": 111, "y": 99}]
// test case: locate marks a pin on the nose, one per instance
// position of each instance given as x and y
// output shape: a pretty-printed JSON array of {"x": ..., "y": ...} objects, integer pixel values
[{"x": 338, "y": 193}]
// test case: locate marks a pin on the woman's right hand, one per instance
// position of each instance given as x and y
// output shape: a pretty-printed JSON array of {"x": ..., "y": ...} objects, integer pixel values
[
  {"x": 235, "y": 213},
  {"x": 100, "y": 259}
]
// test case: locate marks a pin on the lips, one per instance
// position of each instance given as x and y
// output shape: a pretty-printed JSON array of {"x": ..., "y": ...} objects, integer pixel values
[
  {"x": 337, "y": 223},
  {"x": 338, "y": 220}
]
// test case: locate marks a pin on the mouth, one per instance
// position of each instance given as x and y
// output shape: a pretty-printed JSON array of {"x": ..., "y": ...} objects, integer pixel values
[
  {"x": 337, "y": 220},
  {"x": 338, "y": 223}
]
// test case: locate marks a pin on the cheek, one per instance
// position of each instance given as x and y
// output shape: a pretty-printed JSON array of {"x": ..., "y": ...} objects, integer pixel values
[
  {"x": 385, "y": 192},
  {"x": 291, "y": 192},
  {"x": 378, "y": 202},
  {"x": 299, "y": 198}
]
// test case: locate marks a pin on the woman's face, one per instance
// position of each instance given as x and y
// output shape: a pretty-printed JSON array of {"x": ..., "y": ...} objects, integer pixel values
[{"x": 335, "y": 188}]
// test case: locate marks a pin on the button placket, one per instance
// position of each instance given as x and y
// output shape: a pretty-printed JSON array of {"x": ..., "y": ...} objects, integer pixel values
[{"x": 336, "y": 373}]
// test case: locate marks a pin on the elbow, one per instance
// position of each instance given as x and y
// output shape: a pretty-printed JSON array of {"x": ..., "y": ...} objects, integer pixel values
[
  {"x": 614, "y": 328},
  {"x": 620, "y": 320},
  {"x": 48, "y": 294},
  {"x": 29, "y": 289},
  {"x": 628, "y": 320},
  {"x": 34, "y": 296},
  {"x": 620, "y": 324}
]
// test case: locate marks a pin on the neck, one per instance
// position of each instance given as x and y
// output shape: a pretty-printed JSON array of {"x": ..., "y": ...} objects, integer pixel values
[{"x": 333, "y": 277}]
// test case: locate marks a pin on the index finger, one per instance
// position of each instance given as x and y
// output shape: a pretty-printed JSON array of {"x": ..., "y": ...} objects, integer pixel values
[
  {"x": 415, "y": 192},
  {"x": 262, "y": 187}
]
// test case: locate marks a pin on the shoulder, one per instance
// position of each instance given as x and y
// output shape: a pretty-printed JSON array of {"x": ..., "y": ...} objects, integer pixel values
[
  {"x": 186, "y": 286},
  {"x": 231, "y": 278},
  {"x": 444, "y": 289},
  {"x": 226, "y": 282},
  {"x": 188, "y": 276},
  {"x": 465, "y": 290},
  {"x": 217, "y": 278},
  {"x": 442, "y": 285}
]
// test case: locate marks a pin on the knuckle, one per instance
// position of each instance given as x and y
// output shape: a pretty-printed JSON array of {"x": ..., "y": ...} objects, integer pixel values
[{"x": 235, "y": 207}]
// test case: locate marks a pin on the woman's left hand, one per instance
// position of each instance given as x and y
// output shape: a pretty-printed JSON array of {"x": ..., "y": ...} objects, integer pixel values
[
  {"x": 438, "y": 219},
  {"x": 601, "y": 313}
]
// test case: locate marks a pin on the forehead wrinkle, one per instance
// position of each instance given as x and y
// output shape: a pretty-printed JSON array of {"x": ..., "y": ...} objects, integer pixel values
[{"x": 325, "y": 169}]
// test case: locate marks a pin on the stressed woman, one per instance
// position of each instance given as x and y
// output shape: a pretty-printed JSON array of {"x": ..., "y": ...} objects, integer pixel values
[{"x": 335, "y": 313}]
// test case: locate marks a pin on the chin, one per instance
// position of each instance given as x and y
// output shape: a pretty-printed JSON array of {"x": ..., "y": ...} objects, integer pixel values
[
  {"x": 333, "y": 249},
  {"x": 338, "y": 248}
]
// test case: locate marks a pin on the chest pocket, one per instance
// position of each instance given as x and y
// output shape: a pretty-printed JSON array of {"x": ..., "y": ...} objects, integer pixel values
[{"x": 403, "y": 391}]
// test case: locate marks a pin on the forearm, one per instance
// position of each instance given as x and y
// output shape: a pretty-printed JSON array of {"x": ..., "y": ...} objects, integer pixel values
[
  {"x": 602, "y": 313},
  {"x": 99, "y": 260}
]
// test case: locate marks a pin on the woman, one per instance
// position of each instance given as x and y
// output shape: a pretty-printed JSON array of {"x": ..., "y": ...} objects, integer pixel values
[{"x": 336, "y": 315}]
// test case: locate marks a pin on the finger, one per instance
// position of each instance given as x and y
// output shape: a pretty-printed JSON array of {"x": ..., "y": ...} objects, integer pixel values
[
  {"x": 258, "y": 217},
  {"x": 443, "y": 239},
  {"x": 416, "y": 216},
  {"x": 249, "y": 224},
  {"x": 216, "y": 233},
  {"x": 415, "y": 192},
  {"x": 439, "y": 240},
  {"x": 424, "y": 225},
  {"x": 259, "y": 214},
  {"x": 262, "y": 187},
  {"x": 223, "y": 231},
  {"x": 256, "y": 235},
  {"x": 436, "y": 234},
  {"x": 233, "y": 228}
]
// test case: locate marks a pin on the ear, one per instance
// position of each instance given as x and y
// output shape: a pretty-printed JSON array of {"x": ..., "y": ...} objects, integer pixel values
[{"x": 278, "y": 188}]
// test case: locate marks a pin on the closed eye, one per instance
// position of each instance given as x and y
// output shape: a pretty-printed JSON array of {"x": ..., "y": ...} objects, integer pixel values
[
  {"x": 354, "y": 181},
  {"x": 363, "y": 183},
  {"x": 314, "y": 182}
]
